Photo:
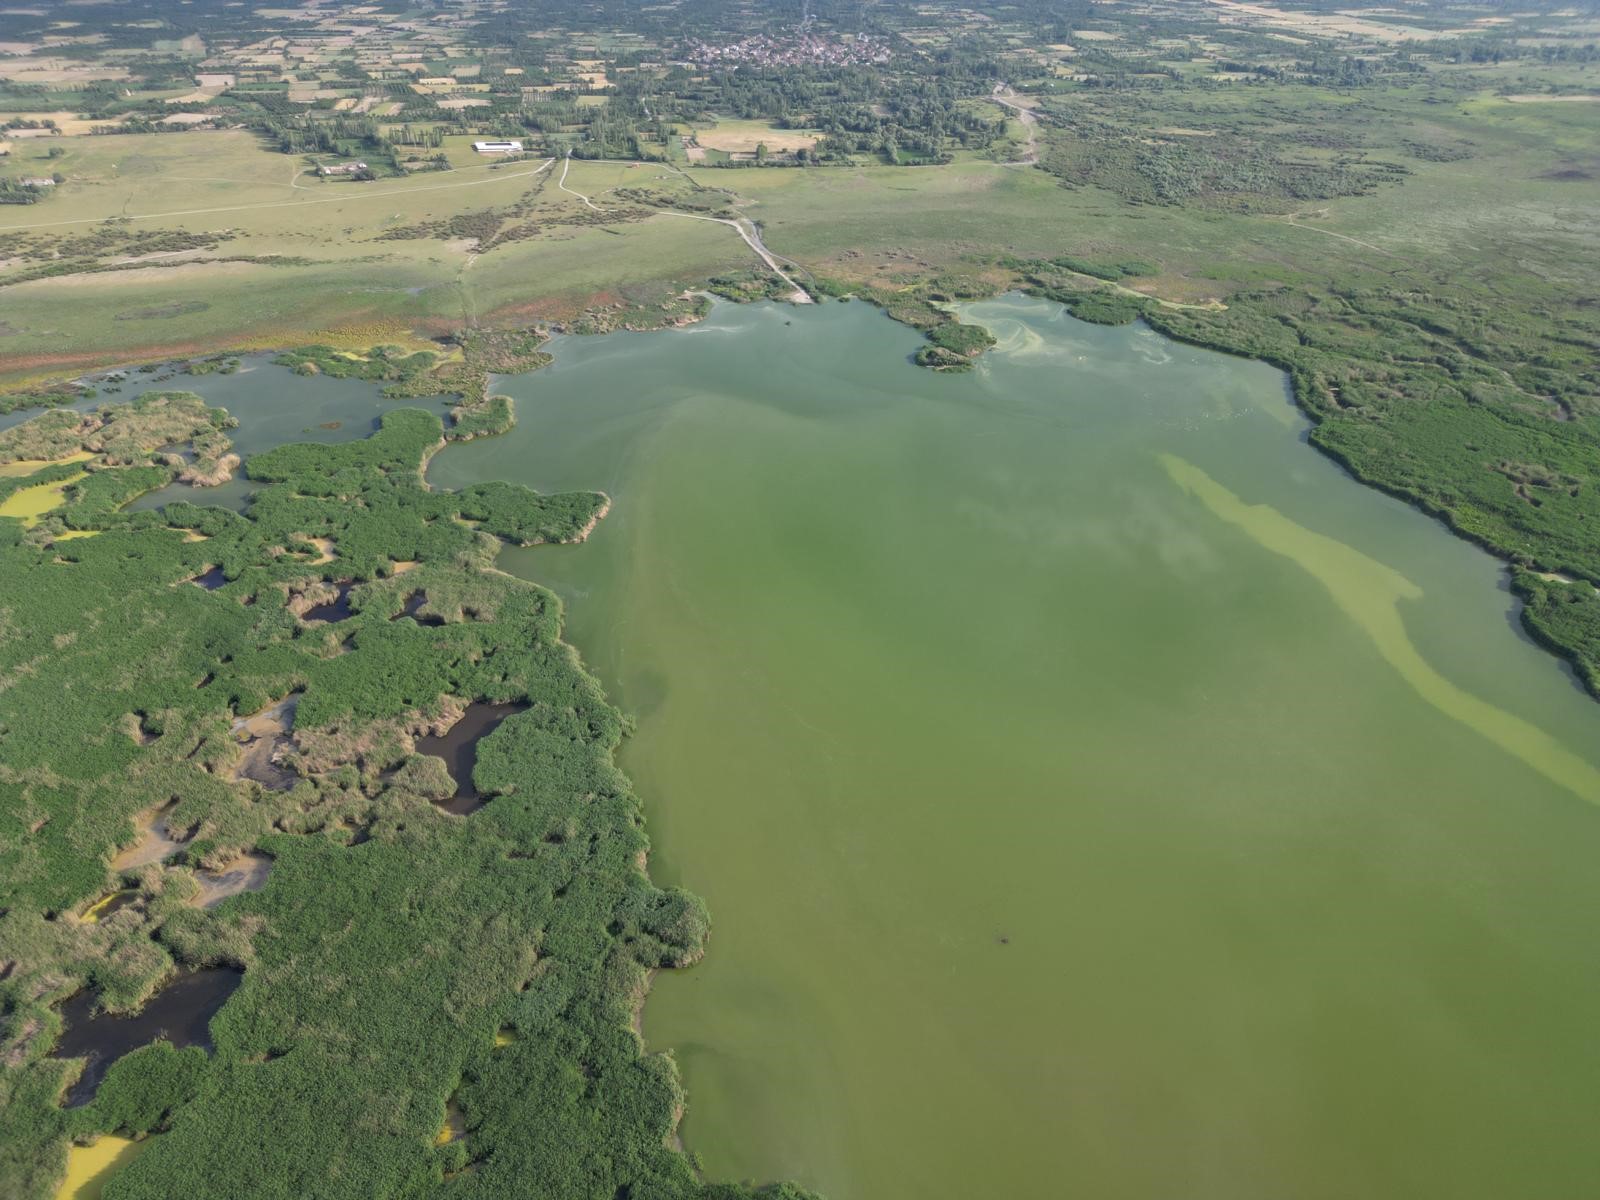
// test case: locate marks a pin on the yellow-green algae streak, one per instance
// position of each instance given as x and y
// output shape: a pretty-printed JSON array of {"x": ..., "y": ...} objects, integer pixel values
[
  {"x": 1371, "y": 594},
  {"x": 1064, "y": 837}
]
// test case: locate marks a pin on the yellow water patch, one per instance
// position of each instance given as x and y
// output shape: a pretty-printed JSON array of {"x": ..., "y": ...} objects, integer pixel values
[
  {"x": 91, "y": 915},
  {"x": 27, "y": 466},
  {"x": 70, "y": 534},
  {"x": 1370, "y": 594},
  {"x": 455, "y": 1124},
  {"x": 31, "y": 503},
  {"x": 505, "y": 1037},
  {"x": 90, "y": 1168}
]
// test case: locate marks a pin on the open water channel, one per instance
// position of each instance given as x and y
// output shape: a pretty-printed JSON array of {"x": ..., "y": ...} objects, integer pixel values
[{"x": 1097, "y": 793}]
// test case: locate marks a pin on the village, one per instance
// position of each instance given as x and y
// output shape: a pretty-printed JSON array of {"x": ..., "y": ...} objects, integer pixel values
[{"x": 804, "y": 49}]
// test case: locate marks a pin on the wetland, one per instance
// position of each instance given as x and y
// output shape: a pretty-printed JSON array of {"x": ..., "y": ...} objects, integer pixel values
[{"x": 1075, "y": 763}]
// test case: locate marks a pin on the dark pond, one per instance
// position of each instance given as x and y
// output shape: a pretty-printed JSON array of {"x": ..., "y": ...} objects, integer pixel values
[
  {"x": 211, "y": 580},
  {"x": 458, "y": 746},
  {"x": 337, "y": 609},
  {"x": 181, "y": 1013}
]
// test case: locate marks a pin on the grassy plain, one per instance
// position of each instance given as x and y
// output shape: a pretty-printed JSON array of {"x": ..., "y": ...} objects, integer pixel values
[
  {"x": 311, "y": 258},
  {"x": 317, "y": 261}
]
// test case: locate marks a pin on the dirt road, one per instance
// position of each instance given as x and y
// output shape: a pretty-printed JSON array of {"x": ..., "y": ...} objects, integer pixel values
[{"x": 1002, "y": 95}]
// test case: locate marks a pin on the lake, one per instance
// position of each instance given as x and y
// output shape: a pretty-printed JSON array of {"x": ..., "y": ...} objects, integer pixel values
[{"x": 1097, "y": 793}]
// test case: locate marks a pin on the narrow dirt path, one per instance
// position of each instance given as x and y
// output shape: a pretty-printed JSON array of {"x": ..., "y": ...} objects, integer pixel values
[
  {"x": 561, "y": 183},
  {"x": 747, "y": 230},
  {"x": 1202, "y": 306},
  {"x": 1030, "y": 122},
  {"x": 1343, "y": 237}
]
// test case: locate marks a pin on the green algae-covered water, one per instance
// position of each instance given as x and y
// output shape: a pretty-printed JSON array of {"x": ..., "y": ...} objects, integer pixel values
[
  {"x": 1097, "y": 793},
  {"x": 273, "y": 406}
]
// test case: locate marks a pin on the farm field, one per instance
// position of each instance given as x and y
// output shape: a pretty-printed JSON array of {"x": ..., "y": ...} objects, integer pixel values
[{"x": 745, "y": 136}]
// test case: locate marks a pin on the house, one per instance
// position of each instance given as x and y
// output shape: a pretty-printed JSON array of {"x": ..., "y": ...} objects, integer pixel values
[
  {"x": 342, "y": 168},
  {"x": 497, "y": 147}
]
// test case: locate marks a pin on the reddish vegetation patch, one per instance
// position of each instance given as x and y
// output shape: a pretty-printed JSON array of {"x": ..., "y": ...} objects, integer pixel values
[{"x": 90, "y": 360}]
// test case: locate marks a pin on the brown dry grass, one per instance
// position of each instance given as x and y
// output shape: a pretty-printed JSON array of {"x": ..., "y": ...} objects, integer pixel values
[{"x": 742, "y": 139}]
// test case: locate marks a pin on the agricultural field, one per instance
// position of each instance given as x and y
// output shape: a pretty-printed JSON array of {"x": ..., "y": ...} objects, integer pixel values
[{"x": 747, "y": 140}]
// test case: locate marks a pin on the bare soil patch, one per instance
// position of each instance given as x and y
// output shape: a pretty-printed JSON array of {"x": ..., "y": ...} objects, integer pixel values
[{"x": 744, "y": 141}]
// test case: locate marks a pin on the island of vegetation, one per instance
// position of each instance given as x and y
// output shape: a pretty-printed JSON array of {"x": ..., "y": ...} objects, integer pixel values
[{"x": 429, "y": 992}]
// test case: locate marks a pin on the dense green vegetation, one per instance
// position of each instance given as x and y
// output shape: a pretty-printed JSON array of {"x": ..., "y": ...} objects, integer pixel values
[
  {"x": 398, "y": 956},
  {"x": 122, "y": 435}
]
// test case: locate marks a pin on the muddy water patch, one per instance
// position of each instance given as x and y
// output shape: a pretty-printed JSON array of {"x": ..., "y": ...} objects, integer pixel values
[
  {"x": 179, "y": 1013},
  {"x": 458, "y": 746},
  {"x": 154, "y": 843},
  {"x": 265, "y": 738},
  {"x": 247, "y": 873},
  {"x": 211, "y": 579},
  {"x": 326, "y": 549},
  {"x": 454, "y": 1126},
  {"x": 30, "y": 504},
  {"x": 106, "y": 905}
]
